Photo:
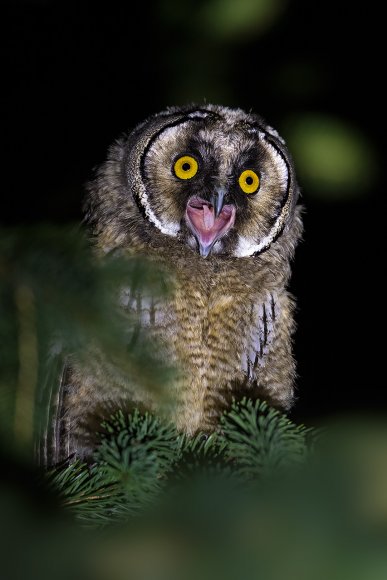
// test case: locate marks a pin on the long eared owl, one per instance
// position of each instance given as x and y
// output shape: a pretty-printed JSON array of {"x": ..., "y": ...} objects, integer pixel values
[{"x": 210, "y": 194}]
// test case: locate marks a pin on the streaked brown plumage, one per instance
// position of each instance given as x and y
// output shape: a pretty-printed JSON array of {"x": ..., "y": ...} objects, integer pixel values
[{"x": 228, "y": 322}]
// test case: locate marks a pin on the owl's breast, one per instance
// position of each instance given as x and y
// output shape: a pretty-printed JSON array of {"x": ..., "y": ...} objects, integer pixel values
[
  {"x": 209, "y": 321},
  {"x": 215, "y": 332},
  {"x": 218, "y": 324}
]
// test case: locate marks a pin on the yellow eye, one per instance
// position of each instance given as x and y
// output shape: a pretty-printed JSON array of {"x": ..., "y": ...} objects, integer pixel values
[
  {"x": 185, "y": 167},
  {"x": 248, "y": 181}
]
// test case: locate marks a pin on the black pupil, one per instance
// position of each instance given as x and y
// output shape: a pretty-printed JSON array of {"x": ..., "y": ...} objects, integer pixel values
[
  {"x": 249, "y": 180},
  {"x": 186, "y": 166}
]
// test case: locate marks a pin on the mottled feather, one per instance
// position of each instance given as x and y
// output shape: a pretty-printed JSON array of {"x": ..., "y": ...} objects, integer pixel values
[{"x": 227, "y": 322}]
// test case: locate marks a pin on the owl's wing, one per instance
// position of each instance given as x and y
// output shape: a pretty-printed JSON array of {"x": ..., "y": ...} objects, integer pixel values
[
  {"x": 51, "y": 404},
  {"x": 262, "y": 329},
  {"x": 267, "y": 359}
]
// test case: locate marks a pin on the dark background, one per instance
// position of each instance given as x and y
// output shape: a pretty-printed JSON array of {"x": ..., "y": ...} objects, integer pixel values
[{"x": 76, "y": 75}]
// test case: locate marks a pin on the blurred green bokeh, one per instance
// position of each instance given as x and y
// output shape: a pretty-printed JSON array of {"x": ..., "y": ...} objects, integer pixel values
[
  {"x": 224, "y": 20},
  {"x": 298, "y": 77},
  {"x": 333, "y": 159},
  {"x": 205, "y": 66},
  {"x": 228, "y": 19},
  {"x": 323, "y": 519}
]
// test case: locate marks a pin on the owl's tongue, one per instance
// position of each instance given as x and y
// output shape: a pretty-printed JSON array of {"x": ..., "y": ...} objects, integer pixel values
[
  {"x": 208, "y": 217},
  {"x": 207, "y": 228}
]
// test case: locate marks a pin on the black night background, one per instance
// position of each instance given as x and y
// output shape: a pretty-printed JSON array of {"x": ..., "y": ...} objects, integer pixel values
[{"x": 76, "y": 75}]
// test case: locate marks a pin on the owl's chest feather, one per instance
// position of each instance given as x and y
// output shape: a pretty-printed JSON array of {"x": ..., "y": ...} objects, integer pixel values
[
  {"x": 214, "y": 321},
  {"x": 217, "y": 322}
]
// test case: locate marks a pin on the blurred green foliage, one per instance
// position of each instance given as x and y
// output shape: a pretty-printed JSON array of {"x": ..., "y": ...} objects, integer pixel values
[
  {"x": 200, "y": 70},
  {"x": 217, "y": 507},
  {"x": 224, "y": 20},
  {"x": 333, "y": 159},
  {"x": 227, "y": 19},
  {"x": 57, "y": 301},
  {"x": 299, "y": 78}
]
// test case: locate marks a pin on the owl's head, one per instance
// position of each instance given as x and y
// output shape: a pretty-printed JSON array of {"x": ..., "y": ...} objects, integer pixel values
[{"x": 216, "y": 180}]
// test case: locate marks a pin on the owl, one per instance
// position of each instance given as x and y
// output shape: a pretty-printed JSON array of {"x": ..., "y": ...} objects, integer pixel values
[{"x": 208, "y": 193}]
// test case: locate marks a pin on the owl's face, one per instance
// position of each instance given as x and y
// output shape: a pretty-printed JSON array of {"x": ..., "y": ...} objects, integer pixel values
[{"x": 215, "y": 179}]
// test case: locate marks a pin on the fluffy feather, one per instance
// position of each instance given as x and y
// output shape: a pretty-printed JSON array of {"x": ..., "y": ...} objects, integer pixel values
[{"x": 228, "y": 322}]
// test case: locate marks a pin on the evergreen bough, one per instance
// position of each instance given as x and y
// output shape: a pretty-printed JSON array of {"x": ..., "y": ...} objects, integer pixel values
[{"x": 140, "y": 455}]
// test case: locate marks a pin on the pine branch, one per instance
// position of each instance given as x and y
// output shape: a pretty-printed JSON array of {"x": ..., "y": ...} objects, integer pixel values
[
  {"x": 140, "y": 457},
  {"x": 261, "y": 439}
]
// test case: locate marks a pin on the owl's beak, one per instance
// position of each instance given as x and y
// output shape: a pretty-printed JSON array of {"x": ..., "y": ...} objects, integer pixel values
[
  {"x": 217, "y": 200},
  {"x": 209, "y": 220}
]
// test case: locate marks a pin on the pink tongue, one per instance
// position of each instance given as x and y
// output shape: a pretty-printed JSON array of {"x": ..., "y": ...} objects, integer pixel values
[
  {"x": 208, "y": 217},
  {"x": 204, "y": 225}
]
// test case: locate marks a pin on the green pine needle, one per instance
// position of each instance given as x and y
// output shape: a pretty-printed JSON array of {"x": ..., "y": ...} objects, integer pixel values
[
  {"x": 261, "y": 439},
  {"x": 140, "y": 456}
]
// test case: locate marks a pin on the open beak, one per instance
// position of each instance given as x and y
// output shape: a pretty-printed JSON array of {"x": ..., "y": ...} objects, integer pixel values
[
  {"x": 217, "y": 199},
  {"x": 209, "y": 220}
]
